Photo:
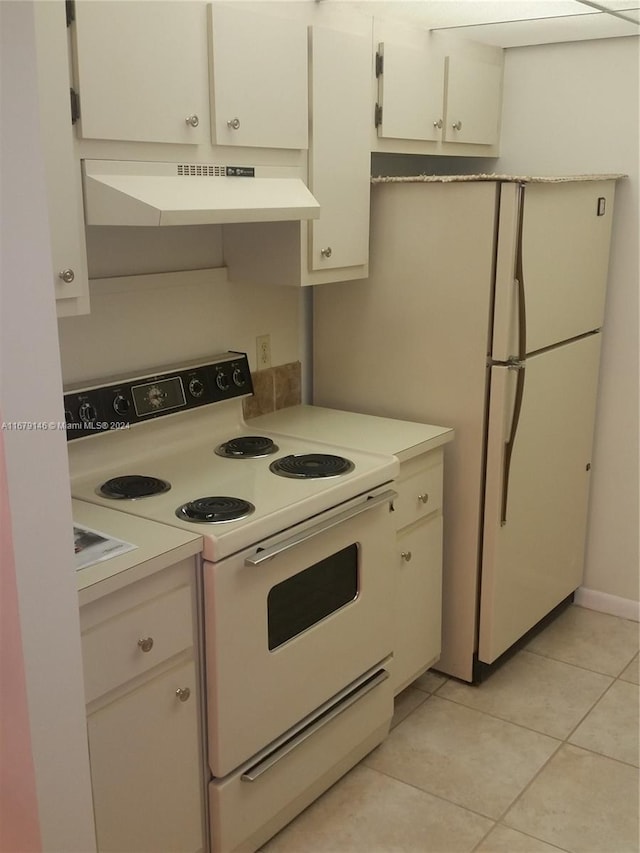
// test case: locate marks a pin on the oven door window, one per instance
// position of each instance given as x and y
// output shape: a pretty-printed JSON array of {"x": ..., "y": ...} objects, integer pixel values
[{"x": 309, "y": 596}]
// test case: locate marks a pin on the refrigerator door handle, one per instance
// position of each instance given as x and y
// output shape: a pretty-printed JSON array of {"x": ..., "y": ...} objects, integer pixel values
[
  {"x": 517, "y": 362},
  {"x": 519, "y": 280},
  {"x": 514, "y": 364}
]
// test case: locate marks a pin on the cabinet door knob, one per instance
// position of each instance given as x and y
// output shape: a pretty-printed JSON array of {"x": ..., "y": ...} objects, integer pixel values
[
  {"x": 438, "y": 124},
  {"x": 183, "y": 693},
  {"x": 146, "y": 644},
  {"x": 326, "y": 253},
  {"x": 423, "y": 498},
  {"x": 67, "y": 275},
  {"x": 406, "y": 556},
  {"x": 192, "y": 121},
  {"x": 457, "y": 125},
  {"x": 233, "y": 123}
]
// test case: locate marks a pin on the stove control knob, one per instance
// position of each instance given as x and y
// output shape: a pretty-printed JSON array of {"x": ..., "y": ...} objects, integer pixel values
[
  {"x": 222, "y": 381},
  {"x": 121, "y": 404},
  {"x": 87, "y": 413},
  {"x": 196, "y": 387},
  {"x": 239, "y": 379}
]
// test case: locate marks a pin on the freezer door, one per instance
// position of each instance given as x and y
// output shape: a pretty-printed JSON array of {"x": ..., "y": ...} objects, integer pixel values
[
  {"x": 533, "y": 546},
  {"x": 561, "y": 253}
]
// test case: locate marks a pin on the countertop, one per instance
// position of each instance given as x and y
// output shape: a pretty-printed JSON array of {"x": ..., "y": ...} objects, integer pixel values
[
  {"x": 519, "y": 179},
  {"x": 158, "y": 547},
  {"x": 403, "y": 439}
]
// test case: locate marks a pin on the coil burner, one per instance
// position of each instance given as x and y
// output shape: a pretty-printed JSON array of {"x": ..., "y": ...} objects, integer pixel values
[
  {"x": 132, "y": 486},
  {"x": 310, "y": 466},
  {"x": 247, "y": 447},
  {"x": 213, "y": 510}
]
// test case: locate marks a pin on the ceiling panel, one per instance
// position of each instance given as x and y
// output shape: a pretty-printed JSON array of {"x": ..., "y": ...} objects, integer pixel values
[
  {"x": 513, "y": 23},
  {"x": 549, "y": 30},
  {"x": 435, "y": 14},
  {"x": 615, "y": 5}
]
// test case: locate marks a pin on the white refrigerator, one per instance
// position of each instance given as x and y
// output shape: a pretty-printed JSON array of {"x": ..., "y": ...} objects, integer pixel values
[{"x": 483, "y": 311}]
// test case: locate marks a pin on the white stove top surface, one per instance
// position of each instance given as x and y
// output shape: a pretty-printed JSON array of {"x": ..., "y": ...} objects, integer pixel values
[{"x": 180, "y": 449}]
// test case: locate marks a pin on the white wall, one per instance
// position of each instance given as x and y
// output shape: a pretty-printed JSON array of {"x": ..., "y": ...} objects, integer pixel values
[
  {"x": 569, "y": 109},
  {"x": 36, "y": 460},
  {"x": 155, "y": 320}
]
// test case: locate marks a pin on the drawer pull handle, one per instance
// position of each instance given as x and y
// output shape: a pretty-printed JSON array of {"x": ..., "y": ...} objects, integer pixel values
[
  {"x": 321, "y": 720},
  {"x": 146, "y": 644},
  {"x": 406, "y": 556},
  {"x": 423, "y": 498},
  {"x": 183, "y": 693}
]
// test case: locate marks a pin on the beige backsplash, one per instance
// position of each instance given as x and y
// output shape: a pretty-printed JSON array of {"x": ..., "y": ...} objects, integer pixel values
[{"x": 274, "y": 388}]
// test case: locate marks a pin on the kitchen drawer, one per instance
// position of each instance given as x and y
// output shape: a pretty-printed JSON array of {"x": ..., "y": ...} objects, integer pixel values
[
  {"x": 113, "y": 651},
  {"x": 244, "y": 814},
  {"x": 419, "y": 487}
]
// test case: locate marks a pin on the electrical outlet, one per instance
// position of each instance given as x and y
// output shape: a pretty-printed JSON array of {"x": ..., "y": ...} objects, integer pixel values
[{"x": 263, "y": 351}]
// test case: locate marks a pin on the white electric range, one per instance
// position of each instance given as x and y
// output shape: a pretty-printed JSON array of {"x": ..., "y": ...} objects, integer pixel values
[{"x": 296, "y": 587}]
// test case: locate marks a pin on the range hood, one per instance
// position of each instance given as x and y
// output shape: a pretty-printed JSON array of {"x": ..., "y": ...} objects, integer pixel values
[{"x": 119, "y": 192}]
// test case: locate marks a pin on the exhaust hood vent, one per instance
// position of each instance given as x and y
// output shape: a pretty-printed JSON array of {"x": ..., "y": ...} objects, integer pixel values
[
  {"x": 135, "y": 193},
  {"x": 200, "y": 169}
]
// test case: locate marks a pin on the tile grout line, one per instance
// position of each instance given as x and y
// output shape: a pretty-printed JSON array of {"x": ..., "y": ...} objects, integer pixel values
[
  {"x": 578, "y": 666},
  {"x": 561, "y": 742}
]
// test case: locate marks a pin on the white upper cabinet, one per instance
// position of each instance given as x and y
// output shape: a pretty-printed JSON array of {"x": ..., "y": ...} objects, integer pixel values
[
  {"x": 410, "y": 87},
  {"x": 473, "y": 100},
  {"x": 435, "y": 95},
  {"x": 259, "y": 79},
  {"x": 62, "y": 171},
  {"x": 339, "y": 163},
  {"x": 142, "y": 71}
]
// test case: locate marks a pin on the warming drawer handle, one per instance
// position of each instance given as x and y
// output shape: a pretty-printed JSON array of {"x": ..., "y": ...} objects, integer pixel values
[
  {"x": 262, "y": 556},
  {"x": 257, "y": 770}
]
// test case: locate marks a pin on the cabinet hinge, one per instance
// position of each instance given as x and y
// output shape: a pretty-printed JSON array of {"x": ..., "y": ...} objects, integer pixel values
[
  {"x": 75, "y": 105},
  {"x": 70, "y": 7},
  {"x": 378, "y": 115},
  {"x": 379, "y": 63}
]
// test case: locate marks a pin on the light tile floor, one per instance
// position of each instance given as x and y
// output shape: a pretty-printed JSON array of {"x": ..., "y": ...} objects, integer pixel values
[{"x": 541, "y": 757}]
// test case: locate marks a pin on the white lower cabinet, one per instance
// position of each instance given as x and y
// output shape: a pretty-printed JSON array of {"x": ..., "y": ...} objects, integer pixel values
[
  {"x": 418, "y": 568},
  {"x": 144, "y": 754},
  {"x": 143, "y": 715}
]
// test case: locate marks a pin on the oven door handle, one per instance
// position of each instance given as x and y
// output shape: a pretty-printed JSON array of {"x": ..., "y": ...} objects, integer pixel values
[
  {"x": 265, "y": 554},
  {"x": 267, "y": 763}
]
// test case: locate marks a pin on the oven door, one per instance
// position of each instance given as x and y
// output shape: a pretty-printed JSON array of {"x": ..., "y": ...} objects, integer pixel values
[{"x": 292, "y": 621}]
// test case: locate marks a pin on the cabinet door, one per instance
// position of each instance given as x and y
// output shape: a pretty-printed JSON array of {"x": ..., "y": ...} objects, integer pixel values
[
  {"x": 418, "y": 601},
  {"x": 62, "y": 171},
  {"x": 259, "y": 79},
  {"x": 410, "y": 92},
  {"x": 146, "y": 768},
  {"x": 142, "y": 70},
  {"x": 339, "y": 158},
  {"x": 473, "y": 101}
]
